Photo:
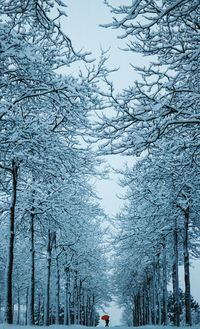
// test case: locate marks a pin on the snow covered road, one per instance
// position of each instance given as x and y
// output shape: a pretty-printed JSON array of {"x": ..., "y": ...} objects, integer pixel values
[{"x": 9, "y": 326}]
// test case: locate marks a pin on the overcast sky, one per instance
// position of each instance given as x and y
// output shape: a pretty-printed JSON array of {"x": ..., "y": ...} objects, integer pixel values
[{"x": 82, "y": 26}]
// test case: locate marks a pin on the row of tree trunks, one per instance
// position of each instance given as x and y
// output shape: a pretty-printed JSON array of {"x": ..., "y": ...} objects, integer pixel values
[
  {"x": 150, "y": 303},
  {"x": 78, "y": 310}
]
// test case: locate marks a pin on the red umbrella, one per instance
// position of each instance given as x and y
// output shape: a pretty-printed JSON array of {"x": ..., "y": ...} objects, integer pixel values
[{"x": 105, "y": 317}]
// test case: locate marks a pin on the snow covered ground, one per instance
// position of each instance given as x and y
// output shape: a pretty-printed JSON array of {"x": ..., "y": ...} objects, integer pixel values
[{"x": 9, "y": 326}]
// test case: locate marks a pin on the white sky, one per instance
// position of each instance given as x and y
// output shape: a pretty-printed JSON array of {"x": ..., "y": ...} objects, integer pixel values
[{"x": 82, "y": 26}]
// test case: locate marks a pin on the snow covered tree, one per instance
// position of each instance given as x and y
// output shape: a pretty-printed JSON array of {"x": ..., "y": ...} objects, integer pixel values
[
  {"x": 153, "y": 234},
  {"x": 44, "y": 161},
  {"x": 159, "y": 112},
  {"x": 165, "y": 98}
]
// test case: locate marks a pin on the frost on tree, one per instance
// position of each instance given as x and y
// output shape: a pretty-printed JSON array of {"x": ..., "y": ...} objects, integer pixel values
[{"x": 45, "y": 169}]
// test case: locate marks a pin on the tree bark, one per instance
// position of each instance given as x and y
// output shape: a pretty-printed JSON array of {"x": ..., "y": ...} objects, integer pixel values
[
  {"x": 31, "y": 311},
  {"x": 26, "y": 313},
  {"x": 67, "y": 315},
  {"x": 18, "y": 306},
  {"x": 10, "y": 260},
  {"x": 85, "y": 307},
  {"x": 175, "y": 278},
  {"x": 79, "y": 295},
  {"x": 39, "y": 309},
  {"x": 158, "y": 284},
  {"x": 149, "y": 302},
  {"x": 93, "y": 312},
  {"x": 57, "y": 320},
  {"x": 144, "y": 304},
  {"x": 50, "y": 240},
  {"x": 75, "y": 302},
  {"x": 164, "y": 268},
  {"x": 140, "y": 308},
  {"x": 154, "y": 293},
  {"x": 188, "y": 318},
  {"x": 148, "y": 298},
  {"x": 88, "y": 311},
  {"x": 0, "y": 309},
  {"x": 135, "y": 317}
]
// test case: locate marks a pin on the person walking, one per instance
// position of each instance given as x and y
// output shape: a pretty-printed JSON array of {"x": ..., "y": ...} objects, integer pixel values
[
  {"x": 107, "y": 323},
  {"x": 106, "y": 318}
]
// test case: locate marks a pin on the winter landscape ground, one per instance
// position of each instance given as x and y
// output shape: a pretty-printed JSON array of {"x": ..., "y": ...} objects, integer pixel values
[{"x": 7, "y": 326}]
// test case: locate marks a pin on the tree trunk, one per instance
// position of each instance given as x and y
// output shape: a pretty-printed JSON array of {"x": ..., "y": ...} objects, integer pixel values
[
  {"x": 0, "y": 309},
  {"x": 149, "y": 310},
  {"x": 39, "y": 309},
  {"x": 154, "y": 293},
  {"x": 67, "y": 315},
  {"x": 188, "y": 318},
  {"x": 75, "y": 303},
  {"x": 144, "y": 303},
  {"x": 65, "y": 306},
  {"x": 57, "y": 291},
  {"x": 68, "y": 309},
  {"x": 79, "y": 301},
  {"x": 47, "y": 293},
  {"x": 31, "y": 313},
  {"x": 82, "y": 305},
  {"x": 9, "y": 267},
  {"x": 18, "y": 306},
  {"x": 26, "y": 313},
  {"x": 85, "y": 308},
  {"x": 135, "y": 317},
  {"x": 88, "y": 311},
  {"x": 93, "y": 311},
  {"x": 139, "y": 308},
  {"x": 164, "y": 267},
  {"x": 148, "y": 299},
  {"x": 158, "y": 290},
  {"x": 175, "y": 278}
]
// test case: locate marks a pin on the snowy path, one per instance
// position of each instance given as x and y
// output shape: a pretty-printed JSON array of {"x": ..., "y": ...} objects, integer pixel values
[{"x": 7, "y": 326}]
